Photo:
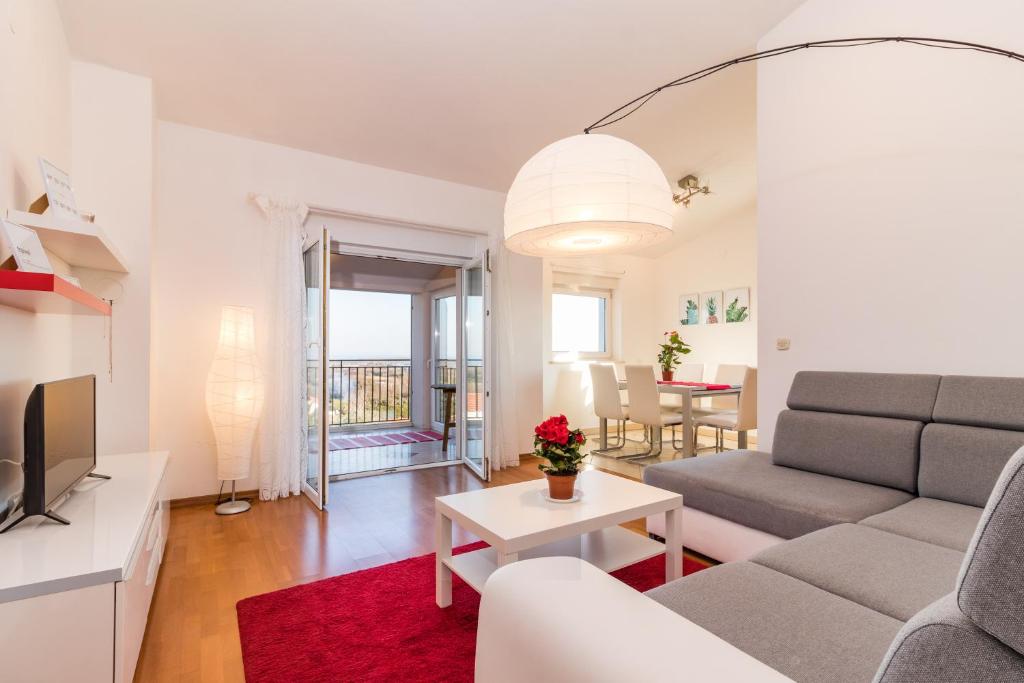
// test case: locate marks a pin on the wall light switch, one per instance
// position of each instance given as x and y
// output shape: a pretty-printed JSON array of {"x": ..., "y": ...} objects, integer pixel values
[{"x": 782, "y": 344}]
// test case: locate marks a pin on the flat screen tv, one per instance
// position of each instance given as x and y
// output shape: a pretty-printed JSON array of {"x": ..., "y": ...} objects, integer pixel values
[{"x": 60, "y": 443}]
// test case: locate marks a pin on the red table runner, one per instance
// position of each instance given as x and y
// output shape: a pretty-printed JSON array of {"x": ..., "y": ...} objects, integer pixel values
[{"x": 702, "y": 385}]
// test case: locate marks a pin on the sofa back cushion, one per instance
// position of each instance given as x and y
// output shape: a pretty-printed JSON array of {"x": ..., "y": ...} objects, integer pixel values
[
  {"x": 990, "y": 589},
  {"x": 962, "y": 464},
  {"x": 909, "y": 397},
  {"x": 996, "y": 402},
  {"x": 873, "y": 450}
]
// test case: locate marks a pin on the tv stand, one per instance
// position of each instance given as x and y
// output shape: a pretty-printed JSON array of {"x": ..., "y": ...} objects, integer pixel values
[
  {"x": 101, "y": 571},
  {"x": 50, "y": 514}
]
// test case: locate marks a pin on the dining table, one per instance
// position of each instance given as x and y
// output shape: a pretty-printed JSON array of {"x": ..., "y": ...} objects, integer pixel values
[{"x": 689, "y": 391}]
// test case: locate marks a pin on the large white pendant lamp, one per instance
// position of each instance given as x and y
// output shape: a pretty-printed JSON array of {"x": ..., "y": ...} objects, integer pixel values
[
  {"x": 588, "y": 194},
  {"x": 234, "y": 399}
]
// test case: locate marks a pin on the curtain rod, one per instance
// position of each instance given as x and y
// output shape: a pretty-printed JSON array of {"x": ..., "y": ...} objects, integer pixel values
[{"x": 385, "y": 220}]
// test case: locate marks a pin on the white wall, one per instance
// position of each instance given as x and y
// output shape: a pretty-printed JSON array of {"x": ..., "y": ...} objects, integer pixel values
[
  {"x": 206, "y": 251},
  {"x": 646, "y": 305},
  {"x": 112, "y": 168},
  {"x": 95, "y": 123},
  {"x": 719, "y": 259},
  {"x": 524, "y": 328},
  {"x": 35, "y": 120},
  {"x": 567, "y": 388},
  {"x": 889, "y": 195}
]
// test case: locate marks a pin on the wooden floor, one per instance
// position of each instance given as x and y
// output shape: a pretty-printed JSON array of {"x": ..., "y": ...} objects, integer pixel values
[{"x": 211, "y": 562}]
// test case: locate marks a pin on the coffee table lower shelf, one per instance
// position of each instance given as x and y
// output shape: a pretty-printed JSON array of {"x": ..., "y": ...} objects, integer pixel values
[{"x": 608, "y": 549}]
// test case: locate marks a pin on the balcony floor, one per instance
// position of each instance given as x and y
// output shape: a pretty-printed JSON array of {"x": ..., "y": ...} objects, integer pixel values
[{"x": 377, "y": 458}]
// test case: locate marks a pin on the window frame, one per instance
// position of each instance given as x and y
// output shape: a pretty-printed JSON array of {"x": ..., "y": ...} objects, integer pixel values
[{"x": 604, "y": 293}]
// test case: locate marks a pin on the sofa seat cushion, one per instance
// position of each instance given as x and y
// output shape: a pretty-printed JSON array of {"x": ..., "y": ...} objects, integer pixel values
[
  {"x": 940, "y": 522},
  {"x": 746, "y": 488},
  {"x": 798, "y": 629},
  {"x": 894, "y": 575}
]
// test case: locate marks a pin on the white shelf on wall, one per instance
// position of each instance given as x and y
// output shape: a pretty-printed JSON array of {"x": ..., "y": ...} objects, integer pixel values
[{"x": 79, "y": 243}]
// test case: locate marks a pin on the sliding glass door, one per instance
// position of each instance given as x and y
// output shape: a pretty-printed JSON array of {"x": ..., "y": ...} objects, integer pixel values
[{"x": 316, "y": 266}]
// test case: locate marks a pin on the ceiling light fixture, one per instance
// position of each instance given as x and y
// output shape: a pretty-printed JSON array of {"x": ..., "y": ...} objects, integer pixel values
[
  {"x": 587, "y": 194},
  {"x": 690, "y": 186},
  {"x": 595, "y": 193}
]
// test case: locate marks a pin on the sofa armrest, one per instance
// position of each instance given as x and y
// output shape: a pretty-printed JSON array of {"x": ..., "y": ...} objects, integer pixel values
[{"x": 562, "y": 619}]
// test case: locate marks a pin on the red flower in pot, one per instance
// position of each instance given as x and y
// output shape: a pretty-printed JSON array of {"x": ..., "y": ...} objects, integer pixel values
[{"x": 560, "y": 446}]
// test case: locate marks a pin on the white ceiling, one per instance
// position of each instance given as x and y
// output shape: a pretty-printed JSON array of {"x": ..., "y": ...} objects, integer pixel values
[
  {"x": 464, "y": 90},
  {"x": 387, "y": 275}
]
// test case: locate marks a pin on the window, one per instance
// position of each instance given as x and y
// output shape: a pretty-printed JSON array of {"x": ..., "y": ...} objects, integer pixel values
[{"x": 580, "y": 323}]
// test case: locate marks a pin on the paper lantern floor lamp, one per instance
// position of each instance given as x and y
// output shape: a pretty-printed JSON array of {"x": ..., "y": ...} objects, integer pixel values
[{"x": 234, "y": 400}]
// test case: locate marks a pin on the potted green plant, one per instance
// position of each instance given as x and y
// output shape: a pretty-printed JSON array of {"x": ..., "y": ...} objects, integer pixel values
[
  {"x": 671, "y": 350},
  {"x": 560, "y": 446}
]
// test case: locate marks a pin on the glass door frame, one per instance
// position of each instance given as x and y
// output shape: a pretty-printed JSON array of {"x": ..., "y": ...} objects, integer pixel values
[
  {"x": 342, "y": 248},
  {"x": 483, "y": 469},
  {"x": 436, "y": 420},
  {"x": 320, "y": 241}
]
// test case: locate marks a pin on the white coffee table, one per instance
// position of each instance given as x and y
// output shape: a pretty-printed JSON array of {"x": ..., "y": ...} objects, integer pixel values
[{"x": 518, "y": 523}]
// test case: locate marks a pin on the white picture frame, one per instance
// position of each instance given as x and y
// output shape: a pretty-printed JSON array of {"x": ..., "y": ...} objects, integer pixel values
[
  {"x": 59, "y": 192},
  {"x": 26, "y": 248},
  {"x": 689, "y": 309},
  {"x": 737, "y": 305},
  {"x": 711, "y": 312}
]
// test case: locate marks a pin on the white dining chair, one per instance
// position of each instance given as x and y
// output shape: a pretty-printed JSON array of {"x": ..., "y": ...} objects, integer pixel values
[
  {"x": 741, "y": 420},
  {"x": 645, "y": 408},
  {"x": 725, "y": 374},
  {"x": 608, "y": 403},
  {"x": 689, "y": 372}
]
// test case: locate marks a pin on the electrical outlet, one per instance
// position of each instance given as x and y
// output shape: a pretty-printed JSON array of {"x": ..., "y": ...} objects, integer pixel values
[{"x": 782, "y": 344}]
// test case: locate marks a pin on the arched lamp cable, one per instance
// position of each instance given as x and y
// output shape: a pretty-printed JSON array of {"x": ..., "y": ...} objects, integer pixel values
[{"x": 634, "y": 105}]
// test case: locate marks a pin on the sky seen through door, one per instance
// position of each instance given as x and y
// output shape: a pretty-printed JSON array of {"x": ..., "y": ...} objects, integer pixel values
[{"x": 370, "y": 325}]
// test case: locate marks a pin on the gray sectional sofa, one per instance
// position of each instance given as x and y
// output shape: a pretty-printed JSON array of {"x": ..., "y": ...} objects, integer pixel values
[{"x": 878, "y": 481}]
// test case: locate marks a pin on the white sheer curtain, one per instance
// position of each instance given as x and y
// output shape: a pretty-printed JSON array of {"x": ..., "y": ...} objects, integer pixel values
[
  {"x": 504, "y": 400},
  {"x": 282, "y": 438}
]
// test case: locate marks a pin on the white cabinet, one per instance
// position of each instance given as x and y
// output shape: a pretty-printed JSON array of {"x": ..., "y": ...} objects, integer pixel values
[
  {"x": 133, "y": 596},
  {"x": 74, "y": 600},
  {"x": 64, "y": 636}
]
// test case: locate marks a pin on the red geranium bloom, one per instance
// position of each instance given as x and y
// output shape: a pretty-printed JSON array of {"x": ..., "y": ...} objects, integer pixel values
[{"x": 554, "y": 429}]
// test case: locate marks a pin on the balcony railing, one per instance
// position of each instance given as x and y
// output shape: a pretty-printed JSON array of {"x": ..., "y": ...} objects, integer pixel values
[
  {"x": 368, "y": 392},
  {"x": 446, "y": 372},
  {"x": 364, "y": 392}
]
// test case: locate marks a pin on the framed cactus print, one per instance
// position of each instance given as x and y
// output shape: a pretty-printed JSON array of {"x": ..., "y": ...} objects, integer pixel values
[
  {"x": 711, "y": 308},
  {"x": 737, "y": 305},
  {"x": 689, "y": 309}
]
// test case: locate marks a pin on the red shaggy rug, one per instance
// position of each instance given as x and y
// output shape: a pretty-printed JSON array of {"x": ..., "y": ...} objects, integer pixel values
[{"x": 379, "y": 624}]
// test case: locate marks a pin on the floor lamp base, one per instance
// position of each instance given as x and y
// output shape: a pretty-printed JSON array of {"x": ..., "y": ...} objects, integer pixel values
[{"x": 232, "y": 507}]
